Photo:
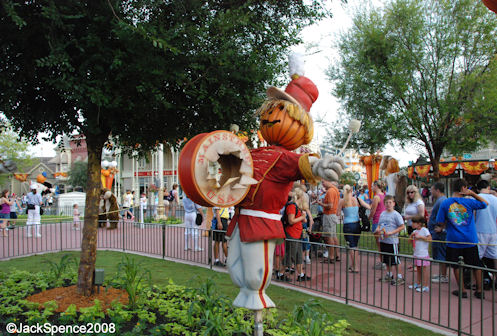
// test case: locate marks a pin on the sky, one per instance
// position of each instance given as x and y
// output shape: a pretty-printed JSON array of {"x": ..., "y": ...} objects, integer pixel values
[
  {"x": 323, "y": 37},
  {"x": 319, "y": 47}
]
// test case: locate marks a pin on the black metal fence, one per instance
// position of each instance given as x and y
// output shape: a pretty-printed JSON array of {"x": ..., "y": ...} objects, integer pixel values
[{"x": 437, "y": 306}]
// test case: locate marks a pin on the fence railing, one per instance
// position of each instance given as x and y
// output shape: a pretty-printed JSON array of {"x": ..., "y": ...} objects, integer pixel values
[{"x": 438, "y": 306}]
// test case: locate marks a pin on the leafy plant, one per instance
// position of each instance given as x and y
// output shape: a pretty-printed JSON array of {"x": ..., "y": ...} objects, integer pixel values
[
  {"x": 308, "y": 320},
  {"x": 131, "y": 277},
  {"x": 57, "y": 269}
]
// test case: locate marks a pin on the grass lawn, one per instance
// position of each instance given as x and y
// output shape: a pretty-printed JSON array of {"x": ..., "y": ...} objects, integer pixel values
[{"x": 362, "y": 322}]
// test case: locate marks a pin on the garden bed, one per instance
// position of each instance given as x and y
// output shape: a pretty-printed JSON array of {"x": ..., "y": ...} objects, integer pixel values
[{"x": 133, "y": 306}]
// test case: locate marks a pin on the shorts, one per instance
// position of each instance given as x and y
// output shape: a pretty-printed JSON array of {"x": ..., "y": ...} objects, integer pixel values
[
  {"x": 293, "y": 253},
  {"x": 439, "y": 250},
  {"x": 470, "y": 255},
  {"x": 392, "y": 258},
  {"x": 374, "y": 227},
  {"x": 422, "y": 261},
  {"x": 487, "y": 251},
  {"x": 5, "y": 215},
  {"x": 279, "y": 250},
  {"x": 330, "y": 225},
  {"x": 355, "y": 230},
  {"x": 220, "y": 236},
  {"x": 13, "y": 215},
  {"x": 306, "y": 246}
]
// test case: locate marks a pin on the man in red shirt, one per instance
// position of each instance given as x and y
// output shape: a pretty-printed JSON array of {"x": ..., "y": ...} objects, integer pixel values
[{"x": 330, "y": 219}]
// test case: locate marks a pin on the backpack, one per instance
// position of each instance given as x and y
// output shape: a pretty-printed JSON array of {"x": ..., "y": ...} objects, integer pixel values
[
  {"x": 284, "y": 217},
  {"x": 170, "y": 197},
  {"x": 365, "y": 223}
]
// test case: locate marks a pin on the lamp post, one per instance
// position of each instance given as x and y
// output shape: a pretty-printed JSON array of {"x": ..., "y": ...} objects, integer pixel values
[
  {"x": 354, "y": 126},
  {"x": 160, "y": 159}
]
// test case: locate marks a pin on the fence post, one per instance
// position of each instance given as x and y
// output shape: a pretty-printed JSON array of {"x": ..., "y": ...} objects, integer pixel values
[
  {"x": 60, "y": 227},
  {"x": 209, "y": 246},
  {"x": 461, "y": 286},
  {"x": 347, "y": 249},
  {"x": 163, "y": 241},
  {"x": 124, "y": 234}
]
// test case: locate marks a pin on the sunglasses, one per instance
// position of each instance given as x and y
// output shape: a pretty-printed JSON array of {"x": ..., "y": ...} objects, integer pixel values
[{"x": 411, "y": 192}]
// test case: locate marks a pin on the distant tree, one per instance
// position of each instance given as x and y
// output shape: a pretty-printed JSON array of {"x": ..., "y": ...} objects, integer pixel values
[
  {"x": 146, "y": 72},
  {"x": 422, "y": 72},
  {"x": 13, "y": 147},
  {"x": 78, "y": 175},
  {"x": 347, "y": 178}
]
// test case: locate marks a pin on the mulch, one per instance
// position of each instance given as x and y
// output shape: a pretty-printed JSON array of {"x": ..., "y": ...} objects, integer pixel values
[{"x": 65, "y": 296}]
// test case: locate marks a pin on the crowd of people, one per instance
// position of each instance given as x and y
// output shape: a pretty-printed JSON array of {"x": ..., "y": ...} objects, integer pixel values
[
  {"x": 12, "y": 205},
  {"x": 462, "y": 225}
]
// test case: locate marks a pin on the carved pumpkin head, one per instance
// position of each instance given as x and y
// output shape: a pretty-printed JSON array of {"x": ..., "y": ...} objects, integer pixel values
[{"x": 285, "y": 124}]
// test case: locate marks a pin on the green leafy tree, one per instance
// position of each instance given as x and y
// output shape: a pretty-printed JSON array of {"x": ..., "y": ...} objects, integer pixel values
[
  {"x": 347, "y": 178},
  {"x": 420, "y": 72},
  {"x": 78, "y": 175},
  {"x": 15, "y": 148},
  {"x": 144, "y": 72}
]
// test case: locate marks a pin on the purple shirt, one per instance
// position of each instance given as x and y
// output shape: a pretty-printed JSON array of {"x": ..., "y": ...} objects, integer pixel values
[
  {"x": 379, "y": 209},
  {"x": 5, "y": 208}
]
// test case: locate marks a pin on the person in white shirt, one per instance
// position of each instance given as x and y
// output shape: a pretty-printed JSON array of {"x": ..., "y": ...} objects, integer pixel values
[
  {"x": 127, "y": 198},
  {"x": 143, "y": 206},
  {"x": 414, "y": 206},
  {"x": 486, "y": 226},
  {"x": 421, "y": 242}
]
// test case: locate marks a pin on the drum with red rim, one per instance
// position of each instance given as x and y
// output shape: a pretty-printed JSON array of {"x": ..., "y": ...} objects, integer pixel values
[{"x": 216, "y": 169}]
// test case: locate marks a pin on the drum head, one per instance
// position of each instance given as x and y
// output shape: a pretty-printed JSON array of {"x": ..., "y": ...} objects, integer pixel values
[{"x": 216, "y": 169}]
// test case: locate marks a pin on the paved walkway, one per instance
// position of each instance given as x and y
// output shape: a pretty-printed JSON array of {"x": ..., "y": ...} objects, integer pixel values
[{"x": 438, "y": 306}]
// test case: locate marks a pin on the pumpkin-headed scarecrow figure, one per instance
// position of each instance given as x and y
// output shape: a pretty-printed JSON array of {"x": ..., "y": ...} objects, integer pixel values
[{"x": 285, "y": 123}]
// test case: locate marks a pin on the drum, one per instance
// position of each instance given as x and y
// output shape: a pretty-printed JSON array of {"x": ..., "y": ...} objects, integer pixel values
[{"x": 216, "y": 169}]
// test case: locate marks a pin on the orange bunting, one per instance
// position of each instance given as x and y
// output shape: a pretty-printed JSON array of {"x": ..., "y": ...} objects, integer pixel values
[
  {"x": 63, "y": 174},
  {"x": 474, "y": 167},
  {"x": 21, "y": 177},
  {"x": 423, "y": 170},
  {"x": 495, "y": 164},
  {"x": 447, "y": 169},
  {"x": 410, "y": 172}
]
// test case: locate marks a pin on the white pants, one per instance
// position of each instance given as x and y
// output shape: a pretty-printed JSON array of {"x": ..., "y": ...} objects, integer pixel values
[
  {"x": 34, "y": 218},
  {"x": 251, "y": 266},
  {"x": 191, "y": 229}
]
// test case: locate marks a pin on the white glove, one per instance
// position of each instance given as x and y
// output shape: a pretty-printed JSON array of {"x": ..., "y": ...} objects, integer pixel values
[{"x": 329, "y": 168}]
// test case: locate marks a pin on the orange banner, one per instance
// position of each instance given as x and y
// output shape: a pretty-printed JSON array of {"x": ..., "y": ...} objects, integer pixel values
[
  {"x": 423, "y": 170},
  {"x": 372, "y": 164},
  {"x": 410, "y": 172},
  {"x": 21, "y": 177},
  {"x": 475, "y": 167},
  {"x": 447, "y": 169}
]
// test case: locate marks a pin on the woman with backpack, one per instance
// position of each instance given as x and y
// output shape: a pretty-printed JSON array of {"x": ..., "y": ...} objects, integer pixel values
[{"x": 414, "y": 206}]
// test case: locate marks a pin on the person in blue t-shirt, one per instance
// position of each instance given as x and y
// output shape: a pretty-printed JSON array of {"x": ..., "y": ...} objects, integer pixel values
[
  {"x": 456, "y": 213},
  {"x": 438, "y": 235}
]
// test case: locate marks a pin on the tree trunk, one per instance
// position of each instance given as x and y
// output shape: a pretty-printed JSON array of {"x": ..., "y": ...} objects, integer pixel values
[
  {"x": 89, "y": 242},
  {"x": 435, "y": 164}
]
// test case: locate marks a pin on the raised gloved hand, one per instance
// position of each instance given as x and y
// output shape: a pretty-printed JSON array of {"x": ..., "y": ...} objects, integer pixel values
[
  {"x": 7, "y": 166},
  {"x": 329, "y": 168}
]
